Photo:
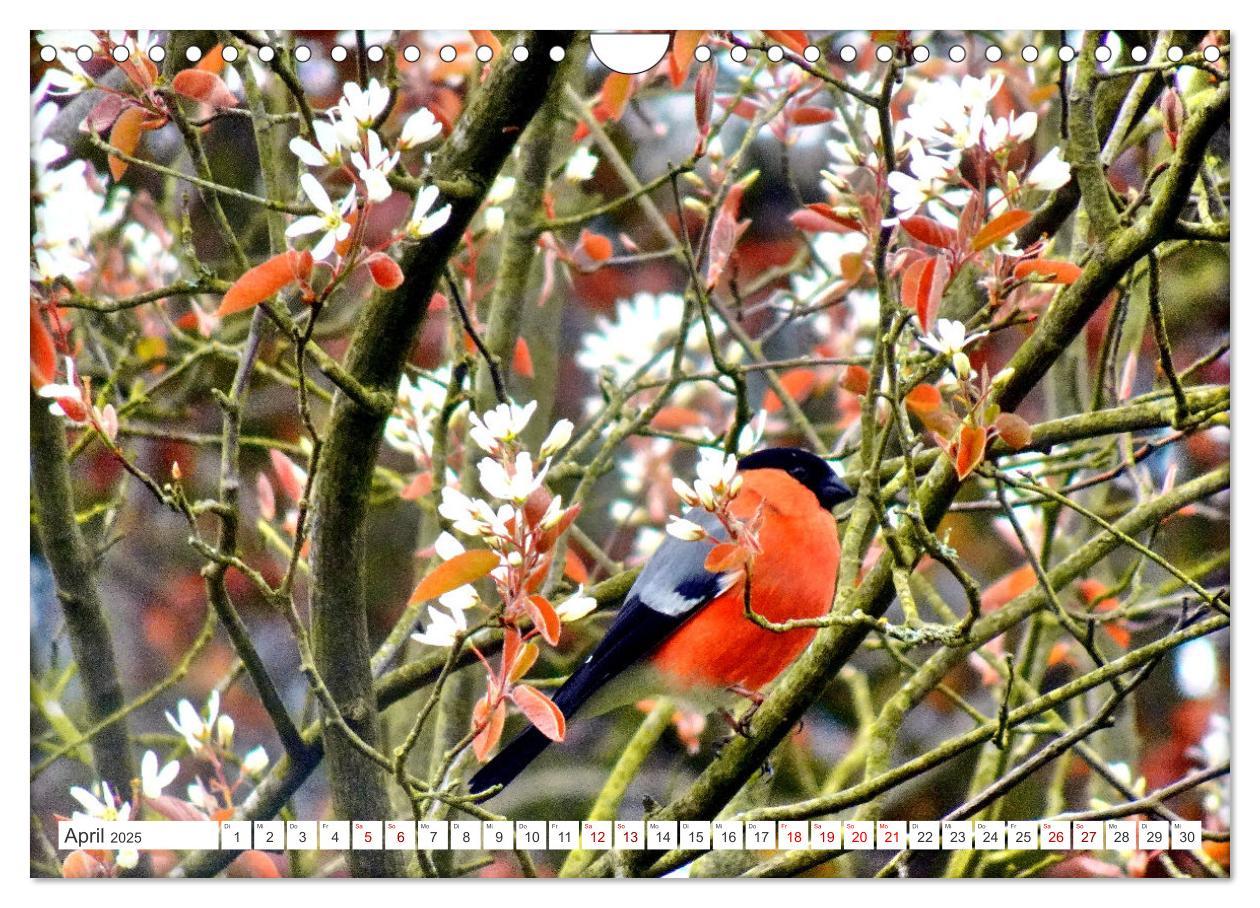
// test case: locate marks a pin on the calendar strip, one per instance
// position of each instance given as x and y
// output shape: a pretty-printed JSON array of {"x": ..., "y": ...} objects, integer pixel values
[{"x": 635, "y": 835}]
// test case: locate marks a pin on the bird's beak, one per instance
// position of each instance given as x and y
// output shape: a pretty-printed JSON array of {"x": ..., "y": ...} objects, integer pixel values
[{"x": 834, "y": 491}]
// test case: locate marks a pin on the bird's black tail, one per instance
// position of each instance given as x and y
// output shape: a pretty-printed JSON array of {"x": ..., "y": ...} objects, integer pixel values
[
  {"x": 521, "y": 750},
  {"x": 511, "y": 761}
]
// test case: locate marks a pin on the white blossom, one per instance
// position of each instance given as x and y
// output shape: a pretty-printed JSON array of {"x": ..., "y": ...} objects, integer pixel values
[
  {"x": 442, "y": 628},
  {"x": 328, "y": 150},
  {"x": 503, "y": 424},
  {"x": 577, "y": 606},
  {"x": 581, "y": 165},
  {"x": 195, "y": 727},
  {"x": 1051, "y": 171},
  {"x": 951, "y": 339},
  {"x": 153, "y": 779},
  {"x": 360, "y": 105},
  {"x": 331, "y": 220},
  {"x": 255, "y": 761},
  {"x": 419, "y": 129},
  {"x": 424, "y": 222},
  {"x": 515, "y": 484},
  {"x": 929, "y": 176},
  {"x": 374, "y": 169},
  {"x": 556, "y": 439},
  {"x": 685, "y": 530}
]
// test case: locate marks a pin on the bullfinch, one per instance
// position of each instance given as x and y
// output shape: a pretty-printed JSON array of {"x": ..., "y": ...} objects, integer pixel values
[{"x": 682, "y": 631}]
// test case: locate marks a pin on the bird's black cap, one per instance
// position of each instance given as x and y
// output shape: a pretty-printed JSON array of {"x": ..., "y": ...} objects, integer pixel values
[{"x": 808, "y": 469}]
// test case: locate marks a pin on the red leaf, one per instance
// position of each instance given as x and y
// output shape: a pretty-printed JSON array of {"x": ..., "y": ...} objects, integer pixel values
[
  {"x": 80, "y": 865},
  {"x": 1173, "y": 110},
  {"x": 796, "y": 382},
  {"x": 923, "y": 399},
  {"x": 1003, "y": 225},
  {"x": 921, "y": 289},
  {"x": 288, "y": 475},
  {"x": 795, "y": 41},
  {"x": 1013, "y": 430},
  {"x": 1048, "y": 271},
  {"x": 523, "y": 662},
  {"x": 1007, "y": 587},
  {"x": 681, "y": 52},
  {"x": 421, "y": 485},
  {"x": 597, "y": 247},
  {"x": 522, "y": 361},
  {"x": 820, "y": 218},
  {"x": 265, "y": 280},
  {"x": 487, "y": 38},
  {"x": 124, "y": 137},
  {"x": 491, "y": 724},
  {"x": 614, "y": 95},
  {"x": 727, "y": 229},
  {"x": 705, "y": 83},
  {"x": 43, "y": 351},
  {"x": 385, "y": 271},
  {"x": 538, "y": 709},
  {"x": 811, "y": 116},
  {"x": 544, "y": 616},
  {"x": 253, "y": 864},
  {"x": 927, "y": 231},
  {"x": 204, "y": 86},
  {"x": 969, "y": 450},
  {"x": 856, "y": 380},
  {"x": 449, "y": 575},
  {"x": 212, "y": 61},
  {"x": 574, "y": 567}
]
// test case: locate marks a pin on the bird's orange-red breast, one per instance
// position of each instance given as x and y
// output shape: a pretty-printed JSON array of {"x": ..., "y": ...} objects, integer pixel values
[{"x": 793, "y": 576}]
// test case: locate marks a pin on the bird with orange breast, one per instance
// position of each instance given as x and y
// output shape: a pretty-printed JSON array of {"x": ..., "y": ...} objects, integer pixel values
[{"x": 683, "y": 630}]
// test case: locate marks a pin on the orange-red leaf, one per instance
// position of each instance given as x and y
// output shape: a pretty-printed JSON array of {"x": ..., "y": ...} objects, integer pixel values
[
  {"x": 796, "y": 382},
  {"x": 923, "y": 399},
  {"x": 597, "y": 246},
  {"x": 795, "y": 41},
  {"x": 922, "y": 287},
  {"x": 385, "y": 271},
  {"x": 1048, "y": 271},
  {"x": 969, "y": 451},
  {"x": 539, "y": 710},
  {"x": 1007, "y": 587},
  {"x": 928, "y": 231},
  {"x": 544, "y": 616},
  {"x": 265, "y": 280},
  {"x": 124, "y": 137},
  {"x": 856, "y": 380},
  {"x": 421, "y": 484},
  {"x": 202, "y": 85},
  {"x": 1013, "y": 430},
  {"x": 253, "y": 864},
  {"x": 491, "y": 724},
  {"x": 43, "y": 351},
  {"x": 80, "y": 865},
  {"x": 522, "y": 360},
  {"x": 615, "y": 94},
  {"x": 212, "y": 61},
  {"x": 486, "y": 37},
  {"x": 523, "y": 662},
  {"x": 820, "y": 218},
  {"x": 574, "y": 567},
  {"x": 681, "y": 52},
  {"x": 811, "y": 116},
  {"x": 465, "y": 567},
  {"x": 1004, "y": 224}
]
